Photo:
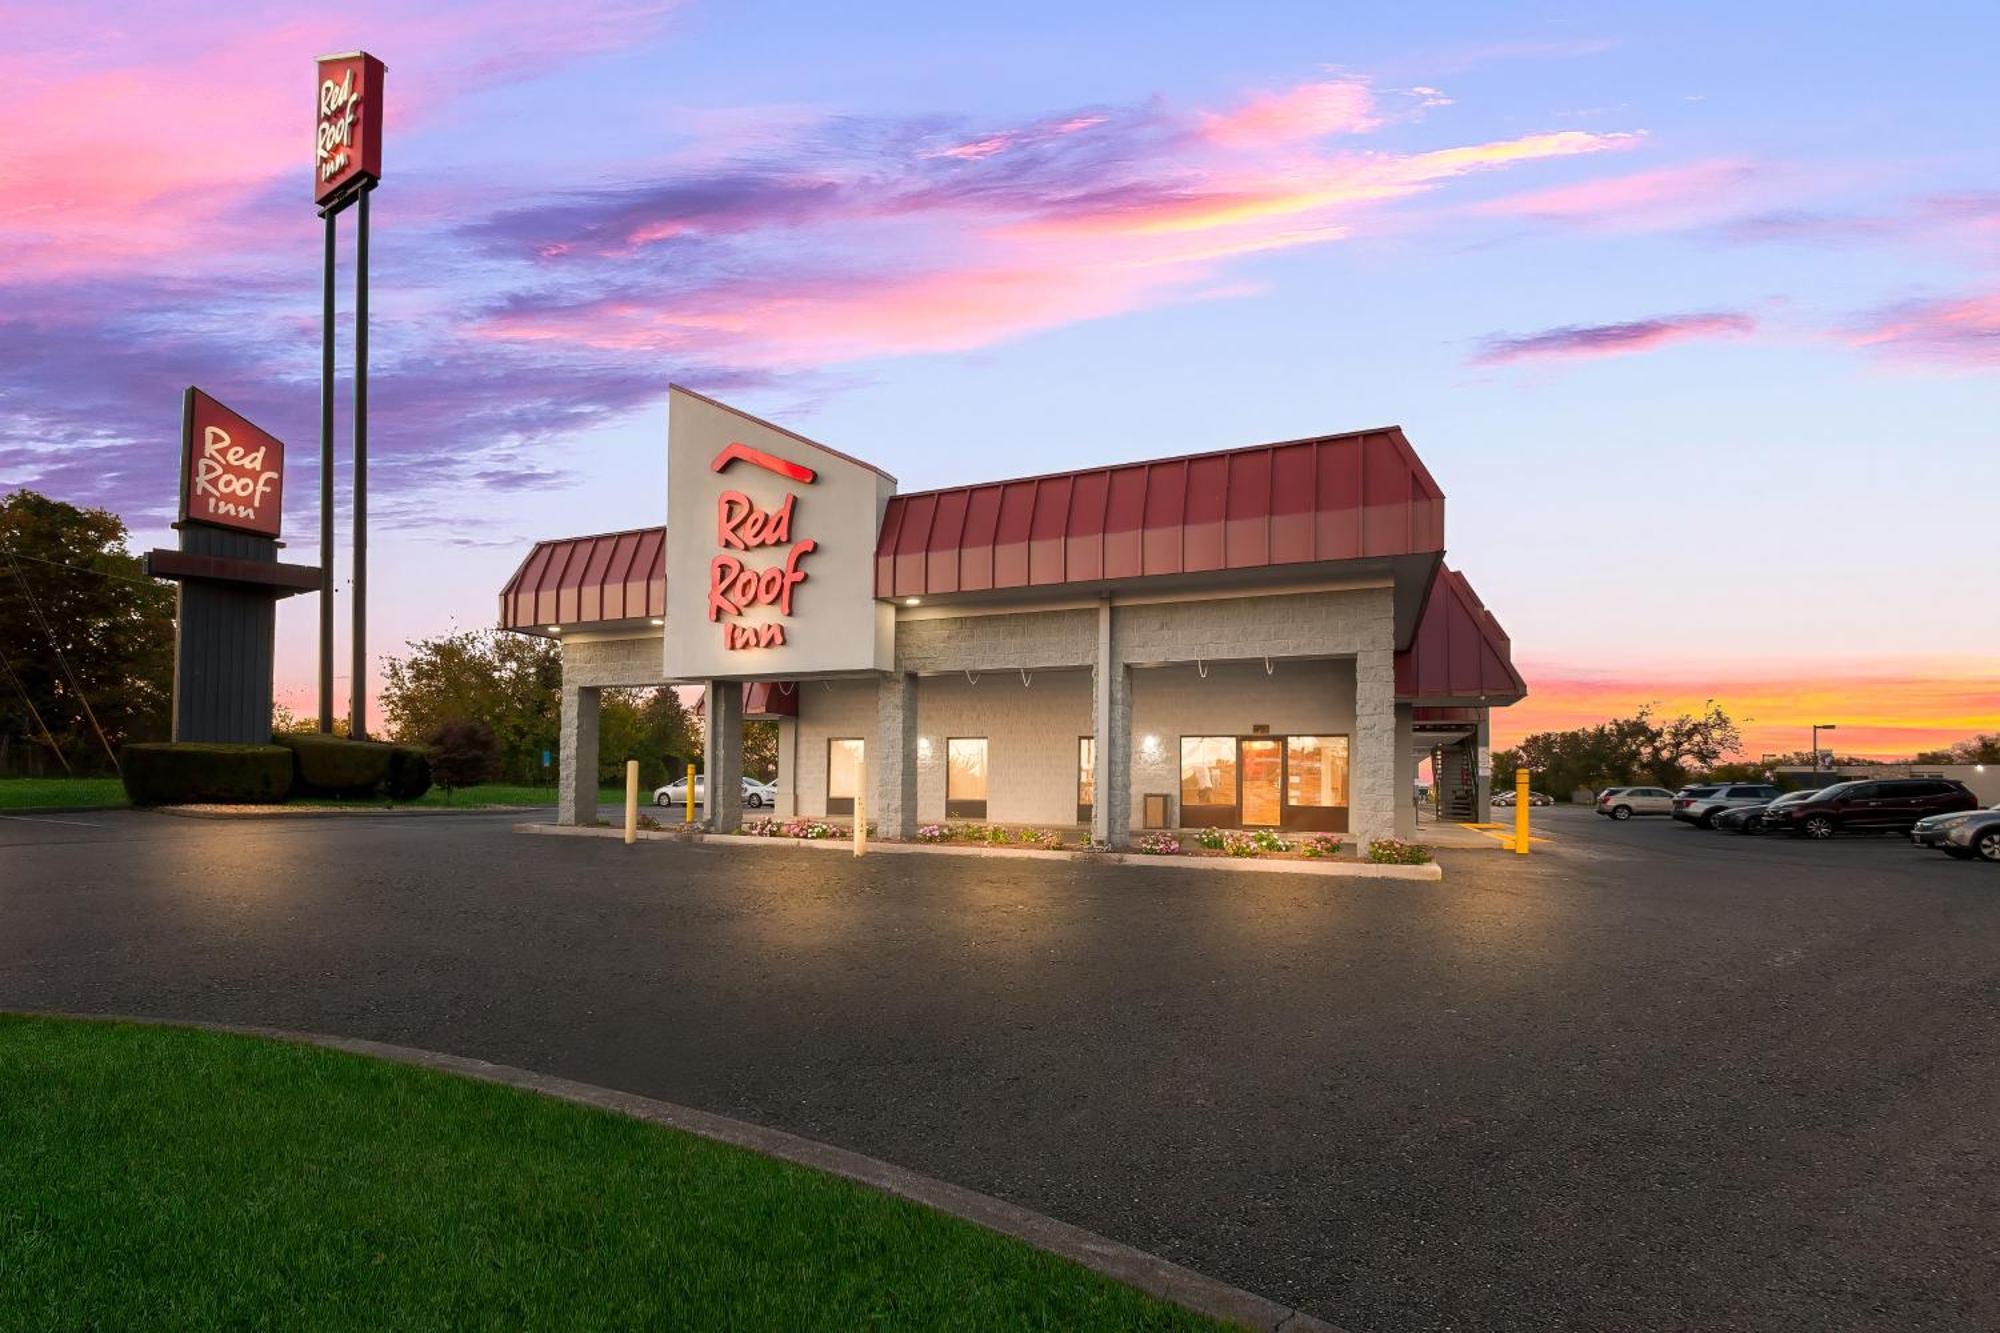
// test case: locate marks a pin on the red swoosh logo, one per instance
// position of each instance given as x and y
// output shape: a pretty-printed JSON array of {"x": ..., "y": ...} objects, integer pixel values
[{"x": 744, "y": 453}]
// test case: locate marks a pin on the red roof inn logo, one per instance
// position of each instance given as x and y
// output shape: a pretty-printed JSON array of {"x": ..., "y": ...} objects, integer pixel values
[
  {"x": 232, "y": 473},
  {"x": 734, "y": 585},
  {"x": 348, "y": 95}
]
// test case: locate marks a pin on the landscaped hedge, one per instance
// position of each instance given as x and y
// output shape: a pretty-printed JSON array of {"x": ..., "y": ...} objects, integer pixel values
[
  {"x": 336, "y": 766},
  {"x": 190, "y": 772}
]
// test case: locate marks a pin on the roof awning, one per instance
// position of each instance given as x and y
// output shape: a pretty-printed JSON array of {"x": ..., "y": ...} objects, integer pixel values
[{"x": 1460, "y": 655}]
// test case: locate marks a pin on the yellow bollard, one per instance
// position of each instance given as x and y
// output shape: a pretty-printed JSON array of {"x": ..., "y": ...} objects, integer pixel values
[
  {"x": 1521, "y": 811},
  {"x": 631, "y": 801},
  {"x": 861, "y": 806},
  {"x": 687, "y": 814}
]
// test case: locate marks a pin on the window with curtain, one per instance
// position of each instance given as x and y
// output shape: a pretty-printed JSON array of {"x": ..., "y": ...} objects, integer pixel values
[
  {"x": 965, "y": 777},
  {"x": 1316, "y": 770},
  {"x": 843, "y": 769}
]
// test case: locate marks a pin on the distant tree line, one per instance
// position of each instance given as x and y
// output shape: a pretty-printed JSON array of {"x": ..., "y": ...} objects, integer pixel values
[{"x": 1636, "y": 750}]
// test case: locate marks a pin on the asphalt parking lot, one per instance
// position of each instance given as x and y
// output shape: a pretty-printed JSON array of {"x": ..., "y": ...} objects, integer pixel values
[{"x": 1647, "y": 1078}]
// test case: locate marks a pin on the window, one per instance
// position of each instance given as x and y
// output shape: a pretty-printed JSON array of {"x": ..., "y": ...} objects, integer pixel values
[
  {"x": 1316, "y": 771},
  {"x": 965, "y": 777},
  {"x": 1086, "y": 777},
  {"x": 843, "y": 773},
  {"x": 1208, "y": 772}
]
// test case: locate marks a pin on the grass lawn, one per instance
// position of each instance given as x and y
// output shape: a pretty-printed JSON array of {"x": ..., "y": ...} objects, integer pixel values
[
  {"x": 56, "y": 793},
  {"x": 163, "y": 1178}
]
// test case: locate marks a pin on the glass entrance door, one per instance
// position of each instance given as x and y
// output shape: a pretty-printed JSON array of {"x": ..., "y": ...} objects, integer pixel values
[{"x": 1262, "y": 765}]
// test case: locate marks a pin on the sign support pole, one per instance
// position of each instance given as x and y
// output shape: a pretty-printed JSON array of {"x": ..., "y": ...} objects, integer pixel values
[
  {"x": 326, "y": 484},
  {"x": 357, "y": 723}
]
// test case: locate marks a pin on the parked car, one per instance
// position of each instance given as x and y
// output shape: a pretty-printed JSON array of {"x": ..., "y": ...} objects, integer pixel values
[
  {"x": 1534, "y": 798},
  {"x": 1701, "y": 811},
  {"x": 1968, "y": 834},
  {"x": 1873, "y": 804},
  {"x": 756, "y": 795},
  {"x": 1687, "y": 796},
  {"x": 1624, "y": 802},
  {"x": 1750, "y": 818}
]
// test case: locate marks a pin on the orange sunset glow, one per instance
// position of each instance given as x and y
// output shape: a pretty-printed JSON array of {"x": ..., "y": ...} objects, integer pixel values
[{"x": 1891, "y": 712}]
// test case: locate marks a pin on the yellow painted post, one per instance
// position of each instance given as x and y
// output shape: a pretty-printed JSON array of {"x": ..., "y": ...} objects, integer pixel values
[
  {"x": 861, "y": 806},
  {"x": 687, "y": 813},
  {"x": 1521, "y": 811},
  {"x": 631, "y": 801}
]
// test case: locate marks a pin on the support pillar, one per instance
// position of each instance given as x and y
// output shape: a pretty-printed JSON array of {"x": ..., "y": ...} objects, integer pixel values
[
  {"x": 1482, "y": 783},
  {"x": 1111, "y": 726},
  {"x": 1372, "y": 784},
  {"x": 576, "y": 775},
  {"x": 892, "y": 760},
  {"x": 722, "y": 752},
  {"x": 1406, "y": 771}
]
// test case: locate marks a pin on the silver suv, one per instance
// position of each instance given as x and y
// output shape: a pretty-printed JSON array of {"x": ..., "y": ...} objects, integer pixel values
[
  {"x": 1624, "y": 802},
  {"x": 1699, "y": 806}
]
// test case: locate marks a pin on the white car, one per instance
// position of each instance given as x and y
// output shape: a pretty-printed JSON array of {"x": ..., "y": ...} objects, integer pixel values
[
  {"x": 1534, "y": 798},
  {"x": 1625, "y": 802},
  {"x": 756, "y": 795}
]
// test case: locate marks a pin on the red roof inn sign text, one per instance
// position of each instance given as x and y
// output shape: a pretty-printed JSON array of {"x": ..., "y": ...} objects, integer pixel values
[
  {"x": 734, "y": 584},
  {"x": 349, "y": 138},
  {"x": 232, "y": 473}
]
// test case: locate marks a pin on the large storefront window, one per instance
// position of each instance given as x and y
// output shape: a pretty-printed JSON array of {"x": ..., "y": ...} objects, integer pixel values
[
  {"x": 965, "y": 777},
  {"x": 1208, "y": 780},
  {"x": 1086, "y": 777},
  {"x": 1316, "y": 770},
  {"x": 1292, "y": 782},
  {"x": 843, "y": 774}
]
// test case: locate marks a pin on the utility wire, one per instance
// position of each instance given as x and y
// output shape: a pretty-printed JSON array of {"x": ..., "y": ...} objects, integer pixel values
[
  {"x": 36, "y": 714},
  {"x": 82, "y": 569},
  {"x": 68, "y": 675}
]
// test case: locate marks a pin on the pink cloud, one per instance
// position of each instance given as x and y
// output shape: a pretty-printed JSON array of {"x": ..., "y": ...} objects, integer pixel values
[
  {"x": 1961, "y": 331},
  {"x": 1574, "y": 340},
  {"x": 1308, "y": 111},
  {"x": 1666, "y": 197}
]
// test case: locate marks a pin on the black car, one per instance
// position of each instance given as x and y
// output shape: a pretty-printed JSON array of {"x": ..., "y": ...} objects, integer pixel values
[
  {"x": 1750, "y": 818},
  {"x": 1969, "y": 835},
  {"x": 1875, "y": 804}
]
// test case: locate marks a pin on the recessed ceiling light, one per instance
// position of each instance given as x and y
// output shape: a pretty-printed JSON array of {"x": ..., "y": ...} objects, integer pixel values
[
  {"x": 912, "y": 601},
  {"x": 658, "y": 621},
  {"x": 555, "y": 629}
]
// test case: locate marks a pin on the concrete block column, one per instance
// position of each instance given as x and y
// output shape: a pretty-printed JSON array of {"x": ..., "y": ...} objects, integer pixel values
[
  {"x": 722, "y": 751},
  {"x": 1372, "y": 784},
  {"x": 1111, "y": 725},
  {"x": 576, "y": 795},
  {"x": 892, "y": 759},
  {"x": 1482, "y": 797}
]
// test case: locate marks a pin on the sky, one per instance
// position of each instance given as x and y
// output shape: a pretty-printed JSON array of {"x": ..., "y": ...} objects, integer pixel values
[{"x": 1692, "y": 310}]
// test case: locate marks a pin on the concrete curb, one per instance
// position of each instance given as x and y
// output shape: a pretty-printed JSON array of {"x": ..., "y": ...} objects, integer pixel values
[
  {"x": 283, "y": 811},
  {"x": 1335, "y": 868},
  {"x": 1135, "y": 1268}
]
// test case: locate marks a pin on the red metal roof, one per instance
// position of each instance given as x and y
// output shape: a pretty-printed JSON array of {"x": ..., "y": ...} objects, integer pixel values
[
  {"x": 1360, "y": 495},
  {"x": 1460, "y": 653},
  {"x": 580, "y": 580}
]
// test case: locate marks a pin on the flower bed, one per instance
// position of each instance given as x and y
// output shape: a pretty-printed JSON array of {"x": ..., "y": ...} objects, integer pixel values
[
  {"x": 1243, "y": 843},
  {"x": 1396, "y": 852}
]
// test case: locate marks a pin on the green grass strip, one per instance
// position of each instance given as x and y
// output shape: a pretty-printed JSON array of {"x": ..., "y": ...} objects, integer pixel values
[{"x": 167, "y": 1178}]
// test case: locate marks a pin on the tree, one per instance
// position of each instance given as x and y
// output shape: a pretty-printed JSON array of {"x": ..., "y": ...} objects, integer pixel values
[
  {"x": 649, "y": 725},
  {"x": 1621, "y": 751},
  {"x": 464, "y": 753},
  {"x": 1692, "y": 743},
  {"x": 511, "y": 682},
  {"x": 75, "y": 603},
  {"x": 760, "y": 751},
  {"x": 1981, "y": 749}
]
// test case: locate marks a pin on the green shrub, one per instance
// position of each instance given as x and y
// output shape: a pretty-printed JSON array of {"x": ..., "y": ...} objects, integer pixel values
[
  {"x": 336, "y": 766},
  {"x": 191, "y": 772},
  {"x": 409, "y": 772}
]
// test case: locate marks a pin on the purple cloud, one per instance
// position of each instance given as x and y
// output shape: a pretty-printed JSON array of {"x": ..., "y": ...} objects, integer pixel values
[{"x": 1639, "y": 335}]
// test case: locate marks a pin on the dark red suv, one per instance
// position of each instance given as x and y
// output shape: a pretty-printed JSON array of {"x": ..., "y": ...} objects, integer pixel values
[{"x": 1873, "y": 804}]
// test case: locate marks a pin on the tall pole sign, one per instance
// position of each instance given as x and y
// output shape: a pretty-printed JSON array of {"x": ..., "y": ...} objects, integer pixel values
[{"x": 347, "y": 163}]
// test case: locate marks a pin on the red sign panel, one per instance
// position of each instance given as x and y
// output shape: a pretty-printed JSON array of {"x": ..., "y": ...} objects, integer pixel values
[
  {"x": 347, "y": 102},
  {"x": 232, "y": 473},
  {"x": 735, "y": 585}
]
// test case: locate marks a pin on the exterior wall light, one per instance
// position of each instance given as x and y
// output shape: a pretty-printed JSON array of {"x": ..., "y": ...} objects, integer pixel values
[
  {"x": 1150, "y": 747},
  {"x": 923, "y": 747}
]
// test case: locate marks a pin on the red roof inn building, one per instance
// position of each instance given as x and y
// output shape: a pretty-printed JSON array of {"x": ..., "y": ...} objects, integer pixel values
[{"x": 1265, "y": 637}]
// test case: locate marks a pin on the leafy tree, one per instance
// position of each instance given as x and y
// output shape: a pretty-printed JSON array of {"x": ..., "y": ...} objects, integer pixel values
[
  {"x": 464, "y": 753},
  {"x": 1692, "y": 743},
  {"x": 760, "y": 751},
  {"x": 1622, "y": 751},
  {"x": 511, "y": 682},
  {"x": 72, "y": 594},
  {"x": 1981, "y": 749},
  {"x": 649, "y": 725}
]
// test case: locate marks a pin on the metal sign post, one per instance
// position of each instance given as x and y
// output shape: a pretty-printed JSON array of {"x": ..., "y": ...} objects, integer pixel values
[{"x": 347, "y": 164}]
